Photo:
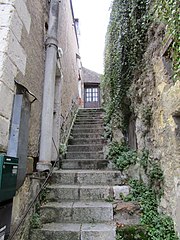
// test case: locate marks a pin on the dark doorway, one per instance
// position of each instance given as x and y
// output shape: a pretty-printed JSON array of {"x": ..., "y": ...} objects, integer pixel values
[{"x": 91, "y": 96}]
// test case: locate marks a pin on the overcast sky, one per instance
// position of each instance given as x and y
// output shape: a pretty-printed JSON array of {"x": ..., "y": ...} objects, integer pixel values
[{"x": 93, "y": 20}]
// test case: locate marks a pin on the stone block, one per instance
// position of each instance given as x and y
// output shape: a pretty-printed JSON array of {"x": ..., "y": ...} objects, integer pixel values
[
  {"x": 84, "y": 155},
  {"x": 94, "y": 192},
  {"x": 11, "y": 2},
  {"x": 4, "y": 132},
  {"x": 30, "y": 165},
  {"x": 88, "y": 177},
  {"x": 16, "y": 26},
  {"x": 17, "y": 53},
  {"x": 92, "y": 212},
  {"x": 118, "y": 190},
  {"x": 98, "y": 232},
  {"x": 56, "y": 212},
  {"x": 63, "y": 192},
  {"x": 8, "y": 71},
  {"x": 4, "y": 38},
  {"x": 6, "y": 97},
  {"x": 6, "y": 14},
  {"x": 23, "y": 13},
  {"x": 57, "y": 231},
  {"x": 85, "y": 148}
]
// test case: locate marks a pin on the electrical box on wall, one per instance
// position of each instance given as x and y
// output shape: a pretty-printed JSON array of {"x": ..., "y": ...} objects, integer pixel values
[{"x": 8, "y": 177}]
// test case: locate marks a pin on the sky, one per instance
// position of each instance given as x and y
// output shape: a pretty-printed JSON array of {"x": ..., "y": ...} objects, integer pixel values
[{"x": 93, "y": 18}]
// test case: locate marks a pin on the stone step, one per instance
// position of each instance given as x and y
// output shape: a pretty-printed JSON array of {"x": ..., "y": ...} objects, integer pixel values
[
  {"x": 88, "y": 120},
  {"x": 84, "y": 155},
  {"x": 84, "y": 164},
  {"x": 90, "y": 115},
  {"x": 90, "y": 141},
  {"x": 87, "y": 135},
  {"x": 76, "y": 212},
  {"x": 85, "y": 148},
  {"x": 84, "y": 112},
  {"x": 92, "y": 125},
  {"x": 70, "y": 231},
  {"x": 87, "y": 130},
  {"x": 88, "y": 177},
  {"x": 88, "y": 192}
]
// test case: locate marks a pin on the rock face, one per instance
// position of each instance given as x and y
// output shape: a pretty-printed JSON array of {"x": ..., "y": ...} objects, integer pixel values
[
  {"x": 155, "y": 98},
  {"x": 79, "y": 198}
]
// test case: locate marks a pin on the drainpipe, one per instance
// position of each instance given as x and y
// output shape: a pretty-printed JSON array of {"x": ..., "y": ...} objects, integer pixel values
[{"x": 44, "y": 163}]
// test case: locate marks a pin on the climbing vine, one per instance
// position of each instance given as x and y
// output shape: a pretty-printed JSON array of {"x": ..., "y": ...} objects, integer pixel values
[
  {"x": 125, "y": 45},
  {"x": 168, "y": 11},
  {"x": 156, "y": 225}
]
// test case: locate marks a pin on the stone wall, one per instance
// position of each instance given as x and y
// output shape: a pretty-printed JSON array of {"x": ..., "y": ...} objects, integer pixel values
[
  {"x": 22, "y": 60},
  {"x": 23, "y": 27},
  {"x": 155, "y": 99},
  {"x": 69, "y": 62}
]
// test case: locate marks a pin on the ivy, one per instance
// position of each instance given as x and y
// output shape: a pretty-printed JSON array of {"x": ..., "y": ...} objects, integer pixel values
[
  {"x": 125, "y": 45},
  {"x": 121, "y": 155},
  {"x": 158, "y": 226},
  {"x": 168, "y": 12}
]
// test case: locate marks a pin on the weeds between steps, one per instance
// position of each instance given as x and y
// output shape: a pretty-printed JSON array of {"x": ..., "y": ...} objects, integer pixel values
[{"x": 154, "y": 225}]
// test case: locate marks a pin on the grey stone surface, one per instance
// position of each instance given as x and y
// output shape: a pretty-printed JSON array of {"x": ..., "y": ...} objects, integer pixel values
[
  {"x": 76, "y": 212},
  {"x": 84, "y": 155},
  {"x": 84, "y": 164},
  {"x": 85, "y": 148},
  {"x": 90, "y": 212},
  {"x": 88, "y": 130},
  {"x": 75, "y": 192},
  {"x": 88, "y": 177},
  {"x": 98, "y": 232},
  {"x": 60, "y": 231}
]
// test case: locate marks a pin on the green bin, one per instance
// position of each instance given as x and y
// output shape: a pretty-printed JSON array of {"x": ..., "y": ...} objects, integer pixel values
[{"x": 8, "y": 177}]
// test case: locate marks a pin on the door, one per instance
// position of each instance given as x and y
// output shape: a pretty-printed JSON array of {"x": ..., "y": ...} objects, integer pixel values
[{"x": 92, "y": 97}]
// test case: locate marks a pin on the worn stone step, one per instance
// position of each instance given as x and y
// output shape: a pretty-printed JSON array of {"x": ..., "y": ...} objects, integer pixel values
[
  {"x": 86, "y": 135},
  {"x": 84, "y": 164},
  {"x": 87, "y": 130},
  {"x": 90, "y": 114},
  {"x": 88, "y": 177},
  {"x": 85, "y": 148},
  {"x": 84, "y": 155},
  {"x": 89, "y": 120},
  {"x": 85, "y": 141},
  {"x": 70, "y": 231},
  {"x": 85, "y": 192},
  {"x": 92, "y": 125},
  {"x": 77, "y": 212}
]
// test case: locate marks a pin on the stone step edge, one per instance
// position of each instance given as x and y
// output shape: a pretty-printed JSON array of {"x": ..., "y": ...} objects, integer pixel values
[
  {"x": 89, "y": 139},
  {"x": 69, "y": 226},
  {"x": 85, "y": 171},
  {"x": 85, "y": 152},
  {"x": 84, "y": 159},
  {"x": 85, "y": 145}
]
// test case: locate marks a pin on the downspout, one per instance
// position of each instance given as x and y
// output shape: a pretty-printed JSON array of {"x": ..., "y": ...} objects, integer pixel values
[{"x": 44, "y": 163}]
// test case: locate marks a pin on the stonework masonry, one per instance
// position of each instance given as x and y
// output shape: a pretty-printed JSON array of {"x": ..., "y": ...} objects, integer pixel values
[
  {"x": 155, "y": 99},
  {"x": 23, "y": 29}
]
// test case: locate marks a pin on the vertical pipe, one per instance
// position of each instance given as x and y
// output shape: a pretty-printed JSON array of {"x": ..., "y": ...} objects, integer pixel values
[{"x": 44, "y": 163}]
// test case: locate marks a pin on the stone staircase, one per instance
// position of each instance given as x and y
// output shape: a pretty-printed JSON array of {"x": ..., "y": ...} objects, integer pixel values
[{"x": 78, "y": 206}]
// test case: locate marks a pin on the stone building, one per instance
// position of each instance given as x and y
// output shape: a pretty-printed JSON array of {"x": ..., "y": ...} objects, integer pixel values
[
  {"x": 33, "y": 36},
  {"x": 90, "y": 89}
]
